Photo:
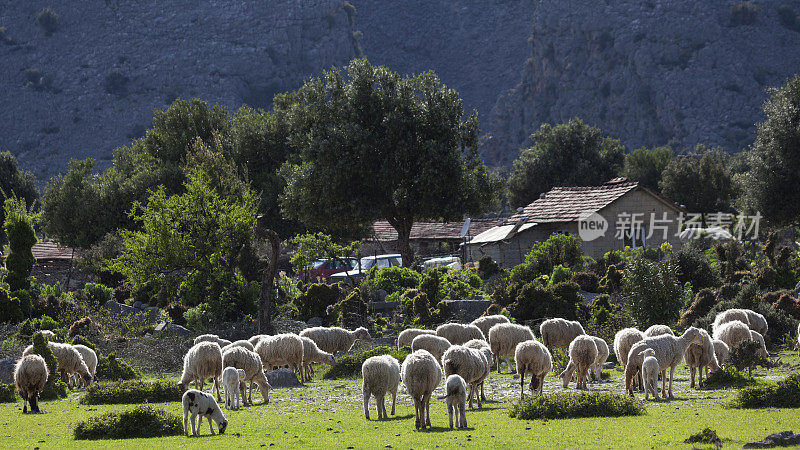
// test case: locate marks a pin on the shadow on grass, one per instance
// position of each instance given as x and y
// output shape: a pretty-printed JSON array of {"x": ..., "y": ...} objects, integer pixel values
[
  {"x": 433, "y": 429},
  {"x": 392, "y": 418}
]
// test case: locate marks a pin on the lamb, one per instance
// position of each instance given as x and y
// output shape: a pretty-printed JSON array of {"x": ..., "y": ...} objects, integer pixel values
[
  {"x": 650, "y": 370},
  {"x": 381, "y": 374},
  {"x": 280, "y": 350},
  {"x": 534, "y": 359},
  {"x": 669, "y": 351},
  {"x": 202, "y": 361},
  {"x": 582, "y": 355},
  {"x": 602, "y": 356},
  {"x": 201, "y": 405},
  {"x": 421, "y": 374},
  {"x": 435, "y": 345},
  {"x": 240, "y": 343},
  {"x": 701, "y": 356},
  {"x": 312, "y": 354},
  {"x": 459, "y": 333},
  {"x": 211, "y": 338},
  {"x": 762, "y": 351},
  {"x": 559, "y": 333},
  {"x": 503, "y": 340},
  {"x": 69, "y": 361},
  {"x": 658, "y": 330},
  {"x": 456, "y": 396},
  {"x": 230, "y": 380},
  {"x": 732, "y": 333},
  {"x": 485, "y": 323},
  {"x": 30, "y": 376},
  {"x": 471, "y": 364},
  {"x": 89, "y": 357},
  {"x": 406, "y": 336},
  {"x": 483, "y": 346},
  {"x": 623, "y": 341},
  {"x": 250, "y": 362},
  {"x": 721, "y": 351},
  {"x": 335, "y": 339}
]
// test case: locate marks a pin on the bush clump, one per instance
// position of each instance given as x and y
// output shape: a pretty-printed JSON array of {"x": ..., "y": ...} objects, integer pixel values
[
  {"x": 783, "y": 394},
  {"x": 30, "y": 326},
  {"x": 394, "y": 279},
  {"x": 744, "y": 13},
  {"x": 47, "y": 19},
  {"x": 8, "y": 393},
  {"x": 744, "y": 355},
  {"x": 98, "y": 294},
  {"x": 110, "y": 393},
  {"x": 564, "y": 406},
  {"x": 315, "y": 299},
  {"x": 349, "y": 366},
  {"x": 588, "y": 281},
  {"x": 109, "y": 368},
  {"x": 140, "y": 422},
  {"x": 726, "y": 378},
  {"x": 707, "y": 436},
  {"x": 351, "y": 312},
  {"x": 84, "y": 326},
  {"x": 487, "y": 267},
  {"x": 10, "y": 308},
  {"x": 788, "y": 17}
]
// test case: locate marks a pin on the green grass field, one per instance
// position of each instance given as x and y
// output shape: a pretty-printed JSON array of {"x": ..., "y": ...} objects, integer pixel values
[{"x": 329, "y": 414}]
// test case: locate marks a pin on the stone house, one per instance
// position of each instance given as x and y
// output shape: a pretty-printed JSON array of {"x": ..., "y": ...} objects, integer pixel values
[{"x": 427, "y": 238}]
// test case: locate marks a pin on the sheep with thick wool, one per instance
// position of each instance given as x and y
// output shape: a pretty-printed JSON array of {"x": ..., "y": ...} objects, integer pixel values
[
  {"x": 335, "y": 339},
  {"x": 90, "y": 358},
  {"x": 701, "y": 357},
  {"x": 250, "y": 362},
  {"x": 421, "y": 374},
  {"x": 732, "y": 333},
  {"x": 650, "y": 370},
  {"x": 381, "y": 375},
  {"x": 254, "y": 339},
  {"x": 658, "y": 330},
  {"x": 69, "y": 360},
  {"x": 623, "y": 341},
  {"x": 721, "y": 351},
  {"x": 559, "y": 333},
  {"x": 406, "y": 336},
  {"x": 485, "y": 323},
  {"x": 504, "y": 338},
  {"x": 240, "y": 343},
  {"x": 435, "y": 345},
  {"x": 312, "y": 354},
  {"x": 231, "y": 382},
  {"x": 201, "y": 405},
  {"x": 582, "y": 356},
  {"x": 534, "y": 359},
  {"x": 471, "y": 364},
  {"x": 211, "y": 338},
  {"x": 602, "y": 355},
  {"x": 459, "y": 333},
  {"x": 30, "y": 376},
  {"x": 456, "y": 396},
  {"x": 280, "y": 350},
  {"x": 483, "y": 346},
  {"x": 752, "y": 319},
  {"x": 201, "y": 362},
  {"x": 762, "y": 350},
  {"x": 669, "y": 351}
]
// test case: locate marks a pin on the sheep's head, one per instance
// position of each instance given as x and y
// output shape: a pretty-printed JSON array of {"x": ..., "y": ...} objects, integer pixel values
[
  {"x": 222, "y": 426},
  {"x": 330, "y": 359},
  {"x": 362, "y": 333},
  {"x": 87, "y": 379},
  {"x": 693, "y": 335},
  {"x": 648, "y": 352},
  {"x": 182, "y": 386}
]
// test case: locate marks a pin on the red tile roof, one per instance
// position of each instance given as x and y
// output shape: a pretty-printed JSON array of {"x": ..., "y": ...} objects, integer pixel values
[{"x": 432, "y": 230}]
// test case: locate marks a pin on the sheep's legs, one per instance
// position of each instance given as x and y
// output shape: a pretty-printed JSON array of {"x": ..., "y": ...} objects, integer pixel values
[
  {"x": 477, "y": 396},
  {"x": 185, "y": 422},
  {"x": 426, "y": 403},
  {"x": 366, "y": 402},
  {"x": 522, "y": 385},
  {"x": 691, "y": 376},
  {"x": 663, "y": 383},
  {"x": 216, "y": 386},
  {"x": 700, "y": 376},
  {"x": 211, "y": 427},
  {"x": 463, "y": 415},
  {"x": 394, "y": 399},
  {"x": 419, "y": 413},
  {"x": 497, "y": 362},
  {"x": 508, "y": 363},
  {"x": 671, "y": 376},
  {"x": 194, "y": 424},
  {"x": 25, "y": 403},
  {"x": 450, "y": 408},
  {"x": 382, "y": 407},
  {"x": 483, "y": 395}
]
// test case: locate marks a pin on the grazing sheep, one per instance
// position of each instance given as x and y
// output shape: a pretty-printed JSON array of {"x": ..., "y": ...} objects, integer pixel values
[
  {"x": 732, "y": 333},
  {"x": 202, "y": 361},
  {"x": 456, "y": 396},
  {"x": 503, "y": 340},
  {"x": 211, "y": 338},
  {"x": 602, "y": 356},
  {"x": 381, "y": 374},
  {"x": 250, "y": 362},
  {"x": 534, "y": 359},
  {"x": 650, "y": 370},
  {"x": 30, "y": 375},
  {"x": 312, "y": 354},
  {"x": 241, "y": 343},
  {"x": 669, "y": 351},
  {"x": 459, "y": 333},
  {"x": 485, "y": 323},
  {"x": 335, "y": 339},
  {"x": 201, "y": 405},
  {"x": 90, "y": 358},
  {"x": 752, "y": 319},
  {"x": 280, "y": 350},
  {"x": 406, "y": 336},
  {"x": 559, "y": 333},
  {"x": 254, "y": 340},
  {"x": 699, "y": 357},
  {"x": 421, "y": 374},
  {"x": 483, "y": 346},
  {"x": 49, "y": 335},
  {"x": 658, "y": 330},
  {"x": 69, "y": 361},
  {"x": 230, "y": 381},
  {"x": 721, "y": 351},
  {"x": 582, "y": 356},
  {"x": 435, "y": 345},
  {"x": 762, "y": 351},
  {"x": 471, "y": 364},
  {"x": 758, "y": 322},
  {"x": 623, "y": 341}
]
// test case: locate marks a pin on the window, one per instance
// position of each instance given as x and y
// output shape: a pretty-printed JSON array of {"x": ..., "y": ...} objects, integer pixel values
[{"x": 634, "y": 236}]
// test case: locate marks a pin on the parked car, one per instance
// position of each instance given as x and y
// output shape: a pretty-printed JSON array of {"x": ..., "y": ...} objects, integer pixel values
[
  {"x": 368, "y": 262},
  {"x": 324, "y": 268}
]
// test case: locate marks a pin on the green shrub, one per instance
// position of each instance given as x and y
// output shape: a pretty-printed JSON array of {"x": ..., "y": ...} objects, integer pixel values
[
  {"x": 316, "y": 298},
  {"x": 694, "y": 267},
  {"x": 82, "y": 326},
  {"x": 727, "y": 378},
  {"x": 564, "y": 406},
  {"x": 588, "y": 281},
  {"x": 395, "y": 279},
  {"x": 788, "y": 305},
  {"x": 108, "y": 393},
  {"x": 487, "y": 267},
  {"x": 349, "y": 366},
  {"x": 612, "y": 280},
  {"x": 788, "y": 17},
  {"x": 47, "y": 19},
  {"x": 560, "y": 274},
  {"x": 744, "y": 13},
  {"x": 140, "y": 422},
  {"x": 535, "y": 301},
  {"x": 10, "y": 308},
  {"x": 416, "y": 306},
  {"x": 544, "y": 256},
  {"x": 652, "y": 292},
  {"x": 98, "y": 294},
  {"x": 351, "y": 312},
  {"x": 199, "y": 318},
  {"x": 8, "y": 393},
  {"x": 707, "y": 436},
  {"x": 744, "y": 355},
  {"x": 109, "y": 368},
  {"x": 18, "y": 226},
  {"x": 703, "y": 302},
  {"x": 783, "y": 394}
]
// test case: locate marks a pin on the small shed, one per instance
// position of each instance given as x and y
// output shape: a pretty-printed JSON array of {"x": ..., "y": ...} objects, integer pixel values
[{"x": 427, "y": 238}]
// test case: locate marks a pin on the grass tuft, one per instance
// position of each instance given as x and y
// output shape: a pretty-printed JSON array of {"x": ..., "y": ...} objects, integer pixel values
[
  {"x": 140, "y": 422},
  {"x": 132, "y": 392},
  {"x": 110, "y": 368},
  {"x": 783, "y": 394},
  {"x": 707, "y": 436},
  {"x": 349, "y": 366},
  {"x": 564, "y": 406}
]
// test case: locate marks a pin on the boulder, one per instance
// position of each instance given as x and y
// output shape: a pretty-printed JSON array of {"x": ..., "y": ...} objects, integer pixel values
[
  {"x": 283, "y": 378},
  {"x": 118, "y": 308},
  {"x": 137, "y": 305},
  {"x": 782, "y": 439},
  {"x": 171, "y": 328},
  {"x": 7, "y": 370},
  {"x": 315, "y": 322}
]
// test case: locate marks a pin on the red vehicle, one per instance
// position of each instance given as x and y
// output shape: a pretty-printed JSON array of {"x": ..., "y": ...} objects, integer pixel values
[{"x": 323, "y": 269}]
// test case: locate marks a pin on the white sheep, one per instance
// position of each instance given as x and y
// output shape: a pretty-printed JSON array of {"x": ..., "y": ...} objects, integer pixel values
[
  {"x": 421, "y": 374},
  {"x": 762, "y": 350},
  {"x": 602, "y": 356},
  {"x": 732, "y": 333},
  {"x": 456, "y": 396},
  {"x": 559, "y": 333},
  {"x": 701, "y": 357},
  {"x": 280, "y": 350},
  {"x": 503, "y": 340},
  {"x": 211, "y": 338},
  {"x": 658, "y": 330},
  {"x": 534, "y": 359},
  {"x": 483, "y": 346},
  {"x": 485, "y": 323},
  {"x": 335, "y": 339},
  {"x": 459, "y": 333},
  {"x": 201, "y": 362},
  {"x": 250, "y": 362},
  {"x": 758, "y": 322},
  {"x": 254, "y": 339},
  {"x": 312, "y": 354},
  {"x": 669, "y": 351},
  {"x": 240, "y": 343},
  {"x": 230, "y": 381},
  {"x": 381, "y": 374},
  {"x": 406, "y": 336},
  {"x": 200, "y": 405},
  {"x": 582, "y": 355},
  {"x": 623, "y": 341},
  {"x": 721, "y": 351},
  {"x": 30, "y": 376},
  {"x": 90, "y": 358},
  {"x": 69, "y": 360},
  {"x": 650, "y": 370},
  {"x": 752, "y": 319},
  {"x": 49, "y": 335},
  {"x": 435, "y": 345},
  {"x": 471, "y": 364}
]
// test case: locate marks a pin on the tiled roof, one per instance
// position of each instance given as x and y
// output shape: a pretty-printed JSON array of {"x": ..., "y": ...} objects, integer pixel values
[
  {"x": 48, "y": 249},
  {"x": 432, "y": 230}
]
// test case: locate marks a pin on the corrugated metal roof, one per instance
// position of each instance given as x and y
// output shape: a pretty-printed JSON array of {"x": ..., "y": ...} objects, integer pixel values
[{"x": 499, "y": 233}]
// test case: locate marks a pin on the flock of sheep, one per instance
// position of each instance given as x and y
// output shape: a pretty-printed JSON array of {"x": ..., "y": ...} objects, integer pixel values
[{"x": 462, "y": 353}]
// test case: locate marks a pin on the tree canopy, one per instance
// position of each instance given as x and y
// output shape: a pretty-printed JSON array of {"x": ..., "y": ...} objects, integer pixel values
[
  {"x": 14, "y": 183},
  {"x": 701, "y": 181},
  {"x": 645, "y": 165}
]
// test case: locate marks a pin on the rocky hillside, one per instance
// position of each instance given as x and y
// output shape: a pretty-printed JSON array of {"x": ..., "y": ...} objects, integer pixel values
[
  {"x": 91, "y": 86},
  {"x": 649, "y": 72}
]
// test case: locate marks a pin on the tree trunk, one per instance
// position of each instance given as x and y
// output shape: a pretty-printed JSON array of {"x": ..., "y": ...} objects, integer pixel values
[
  {"x": 403, "y": 228},
  {"x": 267, "y": 279}
]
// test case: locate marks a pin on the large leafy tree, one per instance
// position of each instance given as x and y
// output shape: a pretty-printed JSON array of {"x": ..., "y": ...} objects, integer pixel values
[
  {"x": 373, "y": 144},
  {"x": 14, "y": 183},
  {"x": 569, "y": 154},
  {"x": 645, "y": 165}
]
